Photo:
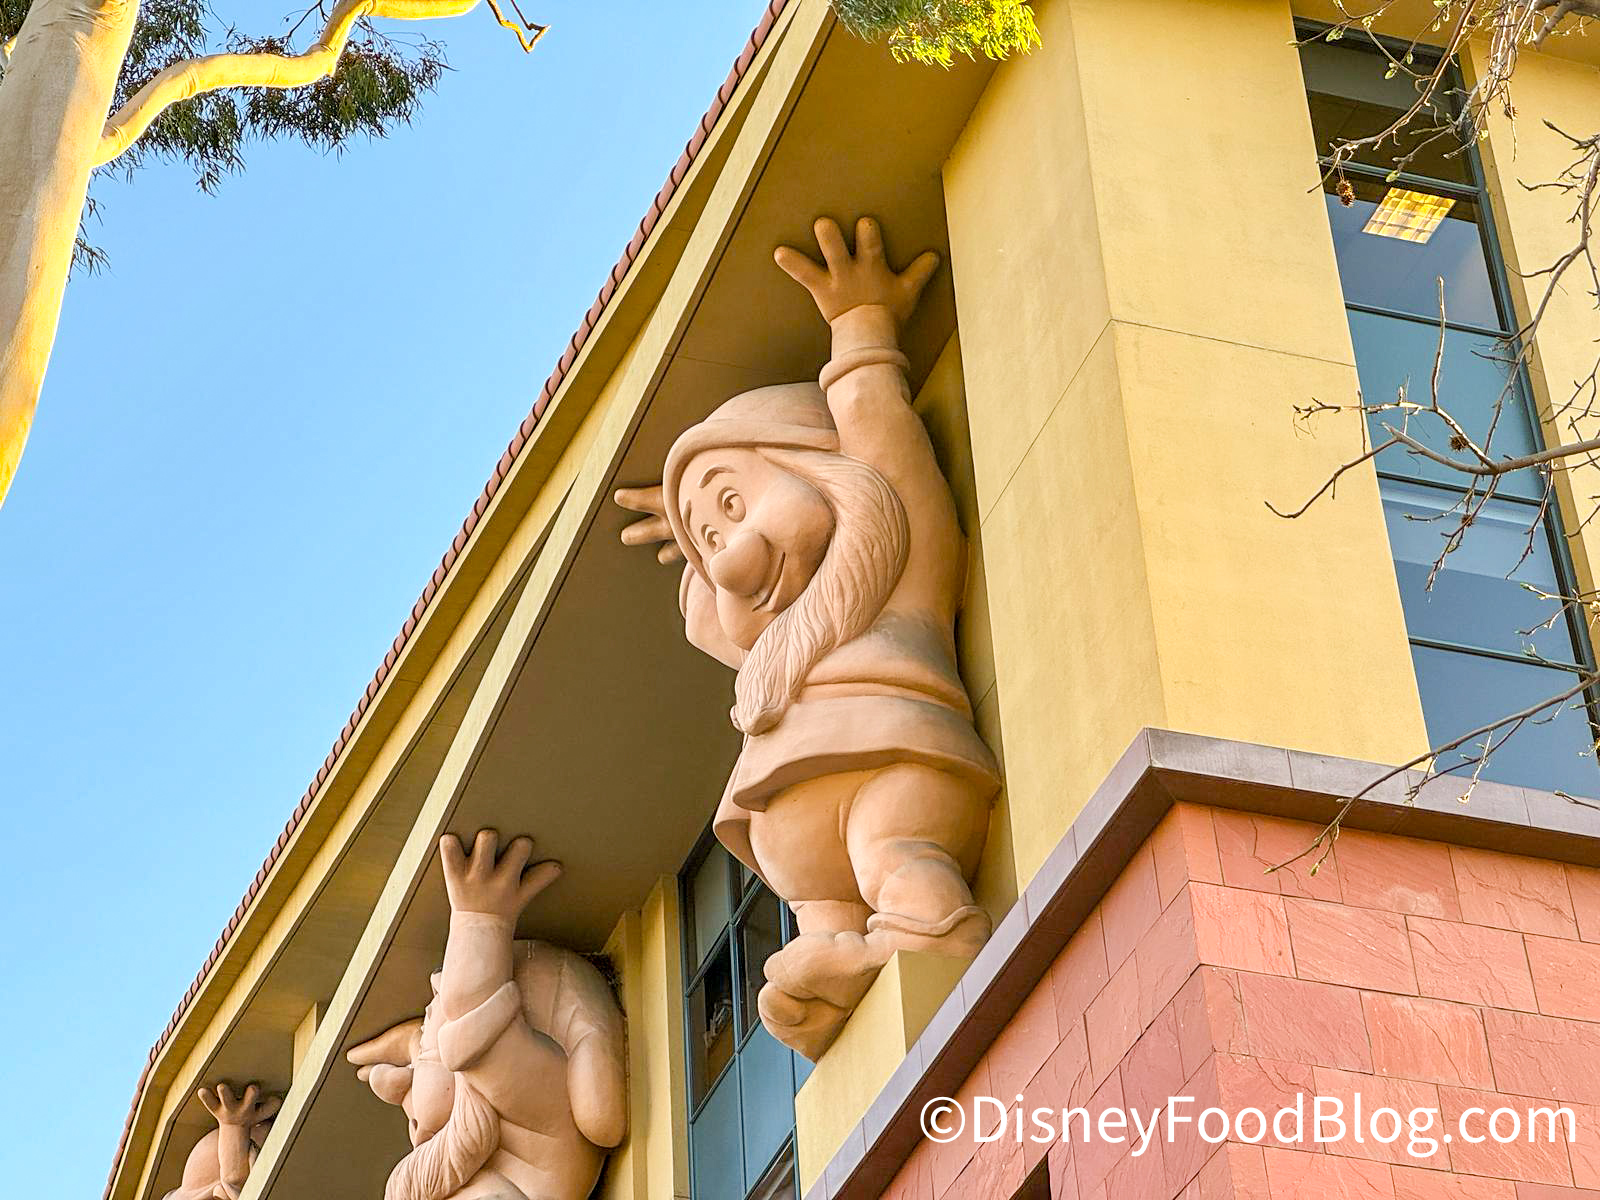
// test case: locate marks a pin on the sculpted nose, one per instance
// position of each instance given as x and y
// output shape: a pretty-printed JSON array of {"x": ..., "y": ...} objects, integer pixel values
[{"x": 741, "y": 566}]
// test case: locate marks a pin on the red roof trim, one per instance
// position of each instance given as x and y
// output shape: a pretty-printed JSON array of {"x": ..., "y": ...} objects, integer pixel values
[{"x": 618, "y": 273}]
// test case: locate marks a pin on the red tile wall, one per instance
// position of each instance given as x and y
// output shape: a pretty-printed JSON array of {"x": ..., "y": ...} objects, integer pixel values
[{"x": 1418, "y": 974}]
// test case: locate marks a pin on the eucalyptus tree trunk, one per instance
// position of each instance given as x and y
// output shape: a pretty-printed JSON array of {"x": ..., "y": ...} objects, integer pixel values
[{"x": 54, "y": 96}]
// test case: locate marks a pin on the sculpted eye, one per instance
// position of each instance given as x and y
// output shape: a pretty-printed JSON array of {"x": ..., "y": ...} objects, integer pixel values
[
  {"x": 711, "y": 538},
  {"x": 733, "y": 506}
]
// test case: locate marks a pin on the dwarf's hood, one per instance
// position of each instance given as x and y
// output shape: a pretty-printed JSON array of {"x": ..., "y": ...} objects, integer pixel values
[{"x": 787, "y": 416}]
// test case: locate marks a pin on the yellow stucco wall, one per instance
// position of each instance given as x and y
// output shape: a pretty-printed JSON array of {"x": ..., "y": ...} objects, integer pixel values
[
  {"x": 1534, "y": 232},
  {"x": 942, "y": 404},
  {"x": 1146, "y": 287},
  {"x": 653, "y": 1163},
  {"x": 890, "y": 1018}
]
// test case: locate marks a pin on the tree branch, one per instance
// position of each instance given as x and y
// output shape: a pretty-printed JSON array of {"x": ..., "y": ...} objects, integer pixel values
[
  {"x": 210, "y": 72},
  {"x": 1516, "y": 720}
]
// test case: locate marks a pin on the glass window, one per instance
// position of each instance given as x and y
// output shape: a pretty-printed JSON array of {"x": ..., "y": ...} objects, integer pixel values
[
  {"x": 1477, "y": 386},
  {"x": 1480, "y": 627},
  {"x": 1394, "y": 260},
  {"x": 1351, "y": 98},
  {"x": 714, "y": 1151},
  {"x": 1461, "y": 692},
  {"x": 712, "y": 900},
  {"x": 710, "y": 1025},
  {"x": 779, "y": 1183},
  {"x": 742, "y": 1081},
  {"x": 1488, "y": 593},
  {"x": 760, "y": 936},
  {"x": 766, "y": 1069}
]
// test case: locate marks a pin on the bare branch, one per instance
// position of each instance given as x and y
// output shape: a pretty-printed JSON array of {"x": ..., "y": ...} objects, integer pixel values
[
  {"x": 1560, "y": 10},
  {"x": 527, "y": 26},
  {"x": 1330, "y": 832},
  {"x": 1332, "y": 481}
]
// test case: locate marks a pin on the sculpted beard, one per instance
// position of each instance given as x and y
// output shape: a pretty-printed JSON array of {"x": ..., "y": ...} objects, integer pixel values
[
  {"x": 862, "y": 565},
  {"x": 443, "y": 1164}
]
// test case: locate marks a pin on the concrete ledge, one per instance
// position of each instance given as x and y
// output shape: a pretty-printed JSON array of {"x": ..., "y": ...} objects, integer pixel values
[{"x": 1158, "y": 770}]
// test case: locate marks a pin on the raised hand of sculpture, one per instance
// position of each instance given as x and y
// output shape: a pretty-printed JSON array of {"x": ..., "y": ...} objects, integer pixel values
[
  {"x": 513, "y": 1080},
  {"x": 825, "y": 564},
  {"x": 220, "y": 1162}
]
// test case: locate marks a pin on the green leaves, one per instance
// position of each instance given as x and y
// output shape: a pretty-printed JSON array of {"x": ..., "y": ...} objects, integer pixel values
[
  {"x": 935, "y": 31},
  {"x": 378, "y": 86}
]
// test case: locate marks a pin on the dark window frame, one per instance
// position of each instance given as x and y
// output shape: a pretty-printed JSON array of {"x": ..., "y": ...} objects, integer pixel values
[
  {"x": 744, "y": 894},
  {"x": 1476, "y": 189}
]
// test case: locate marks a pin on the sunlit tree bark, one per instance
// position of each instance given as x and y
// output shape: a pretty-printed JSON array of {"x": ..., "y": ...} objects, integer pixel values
[
  {"x": 59, "y": 79},
  {"x": 61, "y": 72}
]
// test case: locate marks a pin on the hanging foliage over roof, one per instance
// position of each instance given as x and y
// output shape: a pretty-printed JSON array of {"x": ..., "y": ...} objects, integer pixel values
[{"x": 935, "y": 31}]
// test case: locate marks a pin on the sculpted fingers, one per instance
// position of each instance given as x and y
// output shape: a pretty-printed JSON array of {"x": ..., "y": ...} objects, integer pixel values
[
  {"x": 643, "y": 500},
  {"x": 516, "y": 856},
  {"x": 536, "y": 878},
  {"x": 654, "y": 529},
  {"x": 915, "y": 277},
  {"x": 647, "y": 532},
  {"x": 481, "y": 861},
  {"x": 869, "y": 239},
  {"x": 830, "y": 240},
  {"x": 453, "y": 857},
  {"x": 800, "y": 268},
  {"x": 210, "y": 1099}
]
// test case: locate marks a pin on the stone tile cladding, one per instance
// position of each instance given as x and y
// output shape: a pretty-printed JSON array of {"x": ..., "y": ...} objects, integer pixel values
[{"x": 1416, "y": 973}]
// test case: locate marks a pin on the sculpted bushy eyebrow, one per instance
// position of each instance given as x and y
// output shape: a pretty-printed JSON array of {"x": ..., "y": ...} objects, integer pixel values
[{"x": 711, "y": 473}]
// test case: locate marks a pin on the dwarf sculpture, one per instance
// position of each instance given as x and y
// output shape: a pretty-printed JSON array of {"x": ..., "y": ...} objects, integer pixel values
[
  {"x": 513, "y": 1080},
  {"x": 825, "y": 564},
  {"x": 220, "y": 1162}
]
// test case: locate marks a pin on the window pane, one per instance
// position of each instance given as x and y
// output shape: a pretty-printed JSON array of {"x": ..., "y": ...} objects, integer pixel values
[
  {"x": 779, "y": 1183},
  {"x": 711, "y": 899},
  {"x": 768, "y": 1100},
  {"x": 1473, "y": 378},
  {"x": 1399, "y": 274},
  {"x": 711, "y": 1034},
  {"x": 1461, "y": 692},
  {"x": 714, "y": 1142},
  {"x": 1472, "y": 603},
  {"x": 1350, "y": 98},
  {"x": 760, "y": 937}
]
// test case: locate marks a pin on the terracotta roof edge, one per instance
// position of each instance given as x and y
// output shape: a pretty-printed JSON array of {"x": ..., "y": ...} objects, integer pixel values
[{"x": 519, "y": 440}]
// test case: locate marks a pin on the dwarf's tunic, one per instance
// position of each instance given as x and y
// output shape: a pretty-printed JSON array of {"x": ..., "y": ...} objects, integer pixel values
[{"x": 890, "y": 696}]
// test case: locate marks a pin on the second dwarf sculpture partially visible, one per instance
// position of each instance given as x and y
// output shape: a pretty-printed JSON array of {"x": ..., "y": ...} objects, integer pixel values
[
  {"x": 220, "y": 1162},
  {"x": 825, "y": 564},
  {"x": 514, "y": 1080}
]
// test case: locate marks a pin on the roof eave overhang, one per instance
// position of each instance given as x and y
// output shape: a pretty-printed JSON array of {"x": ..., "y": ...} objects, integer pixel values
[{"x": 473, "y": 562}]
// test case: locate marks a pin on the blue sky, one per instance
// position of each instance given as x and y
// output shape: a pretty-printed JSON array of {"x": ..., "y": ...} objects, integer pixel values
[{"x": 260, "y": 431}]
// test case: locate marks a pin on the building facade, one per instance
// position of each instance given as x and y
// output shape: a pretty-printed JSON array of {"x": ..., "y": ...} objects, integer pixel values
[{"x": 1146, "y": 268}]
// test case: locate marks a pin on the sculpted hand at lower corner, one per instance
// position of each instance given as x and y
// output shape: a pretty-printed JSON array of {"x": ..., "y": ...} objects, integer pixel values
[
  {"x": 654, "y": 529},
  {"x": 495, "y": 885},
  {"x": 219, "y": 1164}
]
